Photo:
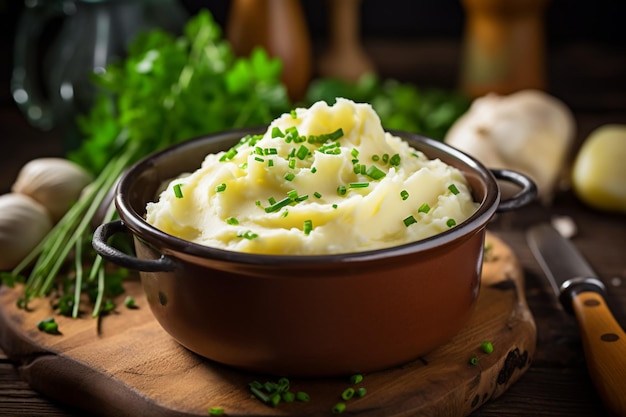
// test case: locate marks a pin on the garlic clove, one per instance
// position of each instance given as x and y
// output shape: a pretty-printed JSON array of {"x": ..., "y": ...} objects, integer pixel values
[
  {"x": 23, "y": 224},
  {"x": 529, "y": 131},
  {"x": 55, "y": 183}
]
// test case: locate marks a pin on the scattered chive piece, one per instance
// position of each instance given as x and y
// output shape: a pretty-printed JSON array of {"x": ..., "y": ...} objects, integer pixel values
[
  {"x": 177, "y": 191},
  {"x": 288, "y": 397},
  {"x": 354, "y": 152},
  {"x": 275, "y": 206},
  {"x": 259, "y": 159},
  {"x": 453, "y": 189},
  {"x": 317, "y": 195},
  {"x": 395, "y": 160},
  {"x": 308, "y": 226},
  {"x": 232, "y": 221},
  {"x": 290, "y": 176},
  {"x": 293, "y": 113},
  {"x": 424, "y": 208},
  {"x": 359, "y": 184},
  {"x": 129, "y": 302},
  {"x": 409, "y": 221},
  {"x": 375, "y": 173},
  {"x": 230, "y": 154},
  {"x": 335, "y": 206},
  {"x": 375, "y": 158},
  {"x": 356, "y": 378},
  {"x": 216, "y": 411},
  {"x": 313, "y": 170},
  {"x": 271, "y": 200},
  {"x": 275, "y": 399},
  {"x": 302, "y": 152},
  {"x": 360, "y": 392},
  {"x": 302, "y": 198},
  {"x": 257, "y": 203},
  {"x": 220, "y": 188},
  {"x": 303, "y": 396},
  {"x": 347, "y": 393},
  {"x": 487, "y": 347},
  {"x": 451, "y": 222},
  {"x": 335, "y": 135},
  {"x": 293, "y": 194},
  {"x": 404, "y": 194},
  {"x": 244, "y": 165},
  {"x": 270, "y": 151},
  {"x": 385, "y": 158},
  {"x": 48, "y": 326},
  {"x": 473, "y": 360},
  {"x": 270, "y": 162},
  {"x": 341, "y": 190},
  {"x": 285, "y": 213},
  {"x": 247, "y": 235},
  {"x": 277, "y": 133},
  {"x": 339, "y": 408},
  {"x": 292, "y": 163}
]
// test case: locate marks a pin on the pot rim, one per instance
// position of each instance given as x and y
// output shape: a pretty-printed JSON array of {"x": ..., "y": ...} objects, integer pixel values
[{"x": 170, "y": 244}]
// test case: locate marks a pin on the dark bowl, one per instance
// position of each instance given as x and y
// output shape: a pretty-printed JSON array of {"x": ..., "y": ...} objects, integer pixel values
[{"x": 319, "y": 315}]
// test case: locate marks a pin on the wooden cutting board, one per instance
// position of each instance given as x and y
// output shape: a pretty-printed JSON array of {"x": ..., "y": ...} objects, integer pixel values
[{"x": 132, "y": 367}]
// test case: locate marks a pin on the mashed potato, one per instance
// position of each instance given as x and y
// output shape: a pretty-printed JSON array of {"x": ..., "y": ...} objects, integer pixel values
[{"x": 322, "y": 180}]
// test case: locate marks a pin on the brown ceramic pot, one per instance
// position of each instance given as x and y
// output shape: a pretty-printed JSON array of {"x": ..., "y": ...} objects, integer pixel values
[{"x": 319, "y": 315}]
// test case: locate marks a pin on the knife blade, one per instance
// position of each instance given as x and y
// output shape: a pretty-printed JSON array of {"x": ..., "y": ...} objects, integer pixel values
[{"x": 582, "y": 293}]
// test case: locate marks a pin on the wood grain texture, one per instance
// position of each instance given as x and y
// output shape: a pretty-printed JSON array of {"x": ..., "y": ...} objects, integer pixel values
[{"x": 132, "y": 367}]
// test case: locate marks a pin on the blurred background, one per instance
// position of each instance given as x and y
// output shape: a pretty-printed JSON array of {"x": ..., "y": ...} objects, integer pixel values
[{"x": 414, "y": 41}]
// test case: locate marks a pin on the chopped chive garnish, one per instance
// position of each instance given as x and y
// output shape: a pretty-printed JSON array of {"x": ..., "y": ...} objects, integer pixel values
[
  {"x": 292, "y": 153},
  {"x": 395, "y": 160},
  {"x": 216, "y": 411},
  {"x": 375, "y": 158},
  {"x": 244, "y": 165},
  {"x": 275, "y": 206},
  {"x": 292, "y": 163},
  {"x": 257, "y": 203},
  {"x": 334, "y": 206},
  {"x": 356, "y": 379},
  {"x": 335, "y": 135},
  {"x": 293, "y": 194},
  {"x": 302, "y": 396},
  {"x": 285, "y": 213},
  {"x": 385, "y": 158},
  {"x": 293, "y": 113},
  {"x": 453, "y": 189},
  {"x": 270, "y": 151},
  {"x": 230, "y": 154},
  {"x": 302, "y": 152},
  {"x": 308, "y": 226},
  {"x": 404, "y": 194},
  {"x": 363, "y": 170},
  {"x": 259, "y": 159},
  {"x": 302, "y": 198},
  {"x": 473, "y": 360},
  {"x": 220, "y": 188},
  {"x": 271, "y": 200},
  {"x": 313, "y": 170},
  {"x": 361, "y": 391},
  {"x": 248, "y": 234},
  {"x": 354, "y": 152},
  {"x": 277, "y": 133},
  {"x": 317, "y": 195},
  {"x": 270, "y": 162},
  {"x": 177, "y": 191},
  {"x": 348, "y": 393},
  {"x": 375, "y": 173},
  {"x": 232, "y": 221},
  {"x": 290, "y": 176},
  {"x": 339, "y": 408},
  {"x": 424, "y": 208},
  {"x": 487, "y": 347},
  {"x": 258, "y": 150},
  {"x": 288, "y": 397},
  {"x": 451, "y": 222},
  {"x": 129, "y": 302},
  {"x": 341, "y": 190},
  {"x": 359, "y": 184},
  {"x": 409, "y": 221}
]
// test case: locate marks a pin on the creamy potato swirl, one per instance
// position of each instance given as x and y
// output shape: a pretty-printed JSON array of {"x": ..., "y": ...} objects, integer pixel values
[{"x": 322, "y": 180}]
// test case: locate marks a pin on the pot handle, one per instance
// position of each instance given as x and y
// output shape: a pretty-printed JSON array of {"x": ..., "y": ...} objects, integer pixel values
[
  {"x": 523, "y": 197},
  {"x": 100, "y": 244}
]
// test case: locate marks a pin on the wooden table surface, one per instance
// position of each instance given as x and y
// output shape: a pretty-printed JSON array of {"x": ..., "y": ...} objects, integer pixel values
[{"x": 557, "y": 383}]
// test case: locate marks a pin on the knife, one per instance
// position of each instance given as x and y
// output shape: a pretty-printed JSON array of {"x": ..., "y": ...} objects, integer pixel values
[{"x": 582, "y": 293}]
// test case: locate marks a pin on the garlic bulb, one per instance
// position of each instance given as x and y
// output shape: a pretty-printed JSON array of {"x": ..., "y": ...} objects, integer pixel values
[
  {"x": 55, "y": 183},
  {"x": 23, "y": 223},
  {"x": 529, "y": 131}
]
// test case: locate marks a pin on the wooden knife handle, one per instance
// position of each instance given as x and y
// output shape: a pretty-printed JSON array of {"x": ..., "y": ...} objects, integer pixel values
[{"x": 604, "y": 343}]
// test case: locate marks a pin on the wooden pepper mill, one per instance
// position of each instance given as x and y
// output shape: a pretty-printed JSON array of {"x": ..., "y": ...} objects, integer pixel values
[
  {"x": 504, "y": 46},
  {"x": 280, "y": 27}
]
